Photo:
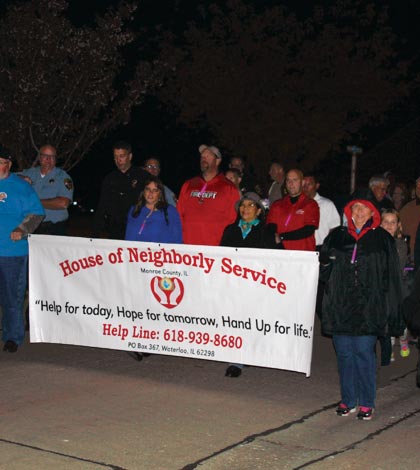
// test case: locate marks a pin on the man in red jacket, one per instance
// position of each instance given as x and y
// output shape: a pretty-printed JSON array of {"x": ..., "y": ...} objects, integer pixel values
[
  {"x": 296, "y": 216},
  {"x": 206, "y": 203}
]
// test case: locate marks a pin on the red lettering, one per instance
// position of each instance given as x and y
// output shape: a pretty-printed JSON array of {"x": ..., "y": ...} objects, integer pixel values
[
  {"x": 281, "y": 287},
  {"x": 272, "y": 282},
  {"x": 82, "y": 263},
  {"x": 237, "y": 270},
  {"x": 226, "y": 265}
]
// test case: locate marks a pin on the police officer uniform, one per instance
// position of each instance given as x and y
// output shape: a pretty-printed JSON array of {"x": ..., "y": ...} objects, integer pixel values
[
  {"x": 56, "y": 183},
  {"x": 119, "y": 192}
]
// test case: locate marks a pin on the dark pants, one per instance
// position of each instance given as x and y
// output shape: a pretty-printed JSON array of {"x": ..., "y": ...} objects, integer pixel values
[
  {"x": 13, "y": 275},
  {"x": 386, "y": 350},
  {"x": 48, "y": 228},
  {"x": 357, "y": 369}
]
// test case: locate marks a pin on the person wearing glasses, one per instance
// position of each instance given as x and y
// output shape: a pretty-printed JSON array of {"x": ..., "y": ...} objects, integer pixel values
[
  {"x": 152, "y": 219},
  {"x": 54, "y": 188},
  {"x": 248, "y": 231},
  {"x": 152, "y": 166}
]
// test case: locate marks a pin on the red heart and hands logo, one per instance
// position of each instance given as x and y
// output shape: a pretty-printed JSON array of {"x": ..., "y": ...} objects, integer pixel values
[{"x": 168, "y": 291}]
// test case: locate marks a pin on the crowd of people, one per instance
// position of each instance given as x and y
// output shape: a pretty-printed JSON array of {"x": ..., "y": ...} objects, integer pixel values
[{"x": 368, "y": 254}]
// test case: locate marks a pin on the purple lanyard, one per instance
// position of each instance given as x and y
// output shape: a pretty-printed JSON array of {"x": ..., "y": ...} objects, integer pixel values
[
  {"x": 288, "y": 219},
  {"x": 201, "y": 192},
  {"x": 354, "y": 254},
  {"x": 144, "y": 221}
]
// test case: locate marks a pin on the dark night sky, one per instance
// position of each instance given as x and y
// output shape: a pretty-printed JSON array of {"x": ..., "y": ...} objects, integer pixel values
[{"x": 153, "y": 129}]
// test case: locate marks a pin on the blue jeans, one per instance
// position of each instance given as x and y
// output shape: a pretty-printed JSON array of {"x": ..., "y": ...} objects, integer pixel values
[
  {"x": 13, "y": 275},
  {"x": 356, "y": 362}
]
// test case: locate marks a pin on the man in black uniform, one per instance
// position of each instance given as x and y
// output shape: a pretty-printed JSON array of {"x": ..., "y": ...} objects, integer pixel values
[{"x": 120, "y": 190}]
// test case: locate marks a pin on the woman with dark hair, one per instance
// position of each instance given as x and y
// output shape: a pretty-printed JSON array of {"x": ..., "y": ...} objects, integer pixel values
[
  {"x": 248, "y": 231},
  {"x": 152, "y": 219}
]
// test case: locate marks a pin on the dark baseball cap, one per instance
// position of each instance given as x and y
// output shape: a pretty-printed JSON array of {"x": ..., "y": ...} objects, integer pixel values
[{"x": 5, "y": 153}]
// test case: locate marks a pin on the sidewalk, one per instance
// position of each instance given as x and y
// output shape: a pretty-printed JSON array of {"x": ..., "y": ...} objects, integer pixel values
[{"x": 70, "y": 407}]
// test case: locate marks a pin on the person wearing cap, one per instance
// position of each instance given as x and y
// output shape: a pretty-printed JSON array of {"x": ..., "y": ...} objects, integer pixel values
[
  {"x": 152, "y": 166},
  {"x": 21, "y": 212},
  {"x": 55, "y": 189},
  {"x": 362, "y": 300},
  {"x": 296, "y": 215},
  {"x": 248, "y": 231},
  {"x": 206, "y": 203},
  {"x": 120, "y": 190},
  {"x": 410, "y": 217}
]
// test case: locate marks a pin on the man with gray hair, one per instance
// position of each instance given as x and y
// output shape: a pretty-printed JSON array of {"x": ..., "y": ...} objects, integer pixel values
[
  {"x": 377, "y": 193},
  {"x": 206, "y": 203},
  {"x": 54, "y": 187}
]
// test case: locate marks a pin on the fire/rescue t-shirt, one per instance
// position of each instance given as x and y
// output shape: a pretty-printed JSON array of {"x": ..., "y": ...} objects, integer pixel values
[{"x": 206, "y": 208}]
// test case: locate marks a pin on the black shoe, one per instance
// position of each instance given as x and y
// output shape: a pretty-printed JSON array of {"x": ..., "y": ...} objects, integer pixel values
[
  {"x": 233, "y": 371},
  {"x": 365, "y": 413},
  {"x": 10, "y": 346},
  {"x": 344, "y": 410},
  {"x": 136, "y": 355}
]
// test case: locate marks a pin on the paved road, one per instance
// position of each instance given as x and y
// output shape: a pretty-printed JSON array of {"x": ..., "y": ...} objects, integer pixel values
[{"x": 70, "y": 407}]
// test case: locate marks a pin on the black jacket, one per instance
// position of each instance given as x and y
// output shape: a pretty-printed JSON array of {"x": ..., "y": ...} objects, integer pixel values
[
  {"x": 260, "y": 236},
  {"x": 362, "y": 297},
  {"x": 119, "y": 192}
]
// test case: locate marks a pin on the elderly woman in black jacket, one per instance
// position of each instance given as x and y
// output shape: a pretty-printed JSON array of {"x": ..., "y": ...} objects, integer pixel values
[
  {"x": 362, "y": 300},
  {"x": 248, "y": 231}
]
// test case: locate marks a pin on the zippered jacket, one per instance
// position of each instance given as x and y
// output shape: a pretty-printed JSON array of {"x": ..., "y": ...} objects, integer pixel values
[{"x": 362, "y": 278}]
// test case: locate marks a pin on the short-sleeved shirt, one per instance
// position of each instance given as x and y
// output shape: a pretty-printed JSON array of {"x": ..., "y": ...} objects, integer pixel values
[
  {"x": 17, "y": 200},
  {"x": 57, "y": 183},
  {"x": 289, "y": 217}
]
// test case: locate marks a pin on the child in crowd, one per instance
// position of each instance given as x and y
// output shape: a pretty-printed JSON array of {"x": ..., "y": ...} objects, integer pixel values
[{"x": 391, "y": 222}]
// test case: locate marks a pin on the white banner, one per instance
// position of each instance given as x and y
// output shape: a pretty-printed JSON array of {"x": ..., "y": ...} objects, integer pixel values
[{"x": 247, "y": 306}]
